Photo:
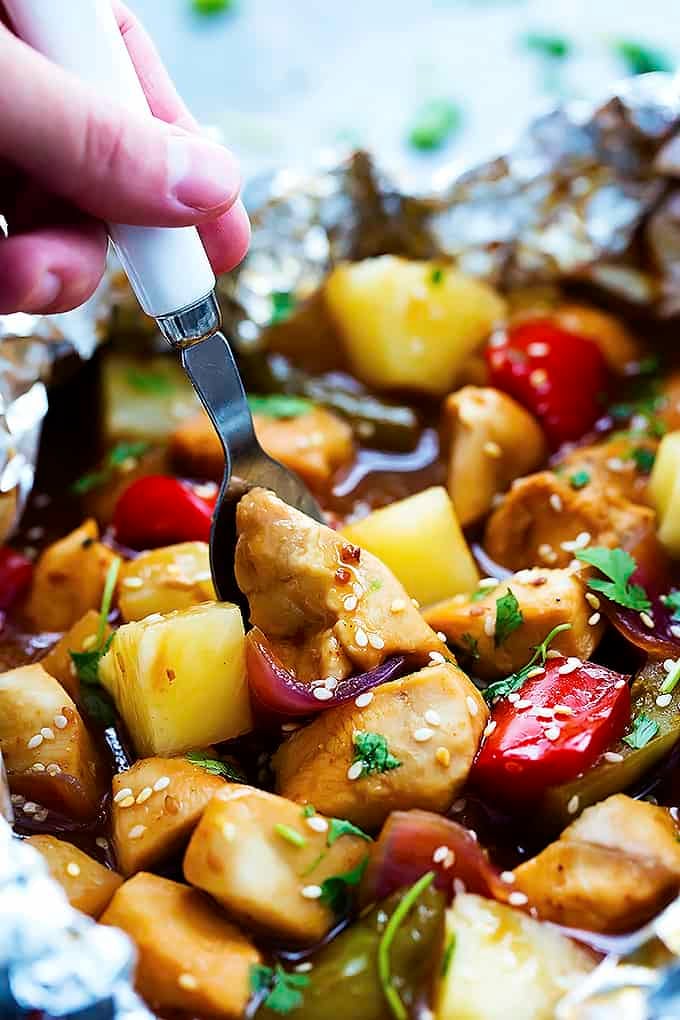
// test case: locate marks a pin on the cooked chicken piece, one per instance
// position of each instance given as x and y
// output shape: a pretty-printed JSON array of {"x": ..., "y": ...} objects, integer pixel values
[
  {"x": 48, "y": 752},
  {"x": 618, "y": 467},
  {"x": 546, "y": 598},
  {"x": 156, "y": 806},
  {"x": 68, "y": 580},
  {"x": 257, "y": 854},
  {"x": 88, "y": 885},
  {"x": 327, "y": 607},
  {"x": 161, "y": 580},
  {"x": 313, "y": 445},
  {"x": 609, "y": 871},
  {"x": 81, "y": 637},
  {"x": 416, "y": 739},
  {"x": 190, "y": 957},
  {"x": 618, "y": 346},
  {"x": 493, "y": 440},
  {"x": 542, "y": 516}
]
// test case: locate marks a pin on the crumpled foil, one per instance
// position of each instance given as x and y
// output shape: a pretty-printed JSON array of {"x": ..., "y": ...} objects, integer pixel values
[{"x": 588, "y": 194}]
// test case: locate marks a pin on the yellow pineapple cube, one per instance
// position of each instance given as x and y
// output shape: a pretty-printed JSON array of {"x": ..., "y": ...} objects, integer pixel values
[
  {"x": 174, "y": 577},
  {"x": 664, "y": 489}
]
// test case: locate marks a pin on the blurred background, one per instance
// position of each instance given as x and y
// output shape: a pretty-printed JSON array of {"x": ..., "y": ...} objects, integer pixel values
[{"x": 427, "y": 84}]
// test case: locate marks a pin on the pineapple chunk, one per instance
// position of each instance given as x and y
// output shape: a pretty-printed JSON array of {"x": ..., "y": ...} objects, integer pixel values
[
  {"x": 144, "y": 398},
  {"x": 68, "y": 580},
  {"x": 175, "y": 577},
  {"x": 47, "y": 749},
  {"x": 179, "y": 680},
  {"x": 88, "y": 885},
  {"x": 190, "y": 957},
  {"x": 409, "y": 324},
  {"x": 664, "y": 489},
  {"x": 170, "y": 795},
  {"x": 420, "y": 540},
  {"x": 255, "y": 853},
  {"x": 532, "y": 965},
  {"x": 80, "y": 638}
]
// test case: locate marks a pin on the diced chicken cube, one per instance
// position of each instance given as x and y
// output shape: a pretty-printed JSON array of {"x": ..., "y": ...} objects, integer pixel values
[
  {"x": 159, "y": 581},
  {"x": 616, "y": 467},
  {"x": 81, "y": 637},
  {"x": 430, "y": 726},
  {"x": 88, "y": 885},
  {"x": 191, "y": 958}
]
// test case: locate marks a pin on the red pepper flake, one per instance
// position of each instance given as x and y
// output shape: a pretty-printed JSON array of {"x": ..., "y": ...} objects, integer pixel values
[
  {"x": 342, "y": 575},
  {"x": 350, "y": 554}
]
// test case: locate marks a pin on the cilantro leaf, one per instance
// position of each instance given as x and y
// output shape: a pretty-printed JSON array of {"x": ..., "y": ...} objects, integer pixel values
[
  {"x": 87, "y": 663},
  {"x": 372, "y": 751},
  {"x": 579, "y": 479},
  {"x": 154, "y": 383},
  {"x": 471, "y": 645},
  {"x": 336, "y": 890},
  {"x": 644, "y": 459},
  {"x": 283, "y": 306},
  {"x": 641, "y": 59},
  {"x": 672, "y": 602},
  {"x": 215, "y": 766},
  {"x": 501, "y": 688},
  {"x": 436, "y": 276},
  {"x": 338, "y": 827},
  {"x": 210, "y": 7},
  {"x": 508, "y": 617},
  {"x": 115, "y": 457},
  {"x": 555, "y": 47},
  {"x": 308, "y": 811},
  {"x": 642, "y": 732},
  {"x": 434, "y": 123},
  {"x": 618, "y": 566},
  {"x": 448, "y": 955},
  {"x": 98, "y": 705},
  {"x": 279, "y": 405},
  {"x": 283, "y": 987}
]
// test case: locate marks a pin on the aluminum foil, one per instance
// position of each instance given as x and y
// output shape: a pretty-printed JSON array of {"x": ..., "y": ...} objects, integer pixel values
[{"x": 588, "y": 194}]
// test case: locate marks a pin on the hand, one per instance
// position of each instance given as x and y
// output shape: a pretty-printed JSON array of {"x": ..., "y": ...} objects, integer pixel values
[{"x": 71, "y": 159}]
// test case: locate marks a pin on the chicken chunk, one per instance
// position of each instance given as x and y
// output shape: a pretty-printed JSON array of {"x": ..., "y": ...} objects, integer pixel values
[
  {"x": 609, "y": 871},
  {"x": 191, "y": 958},
  {"x": 313, "y": 445},
  {"x": 80, "y": 638},
  {"x": 327, "y": 607},
  {"x": 256, "y": 854},
  {"x": 88, "y": 885},
  {"x": 411, "y": 747},
  {"x": 156, "y": 805},
  {"x": 493, "y": 440},
  {"x": 617, "y": 467},
  {"x": 68, "y": 580},
  {"x": 542, "y": 515},
  {"x": 546, "y": 599}
]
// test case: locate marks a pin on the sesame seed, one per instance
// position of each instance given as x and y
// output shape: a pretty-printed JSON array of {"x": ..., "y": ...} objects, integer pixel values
[
  {"x": 615, "y": 464},
  {"x": 537, "y": 349},
  {"x": 330, "y": 683},
  {"x": 538, "y": 377},
  {"x": 161, "y": 784},
  {"x": 490, "y": 727},
  {"x": 458, "y": 805},
  {"x": 397, "y": 606},
  {"x": 122, "y": 794},
  {"x": 317, "y": 824},
  {"x": 422, "y": 735},
  {"x": 436, "y": 658},
  {"x": 350, "y": 603},
  {"x": 53, "y": 769},
  {"x": 188, "y": 982},
  {"x": 322, "y": 694},
  {"x": 535, "y": 671},
  {"x": 552, "y": 733},
  {"x": 547, "y": 553},
  {"x": 619, "y": 684},
  {"x": 573, "y": 805},
  {"x": 38, "y": 767},
  {"x": 563, "y": 710},
  {"x": 489, "y": 625},
  {"x": 492, "y": 449},
  {"x": 442, "y": 636},
  {"x": 60, "y": 721},
  {"x": 144, "y": 795},
  {"x": 613, "y": 757},
  {"x": 432, "y": 718},
  {"x": 361, "y": 637},
  {"x": 508, "y": 877},
  {"x": 543, "y": 713},
  {"x": 355, "y": 770},
  {"x": 473, "y": 707},
  {"x": 594, "y": 619},
  {"x": 522, "y": 704},
  {"x": 517, "y": 899},
  {"x": 664, "y": 700},
  {"x": 580, "y": 542},
  {"x": 552, "y": 653},
  {"x": 488, "y": 582},
  {"x": 592, "y": 600},
  {"x": 72, "y": 869},
  {"x": 459, "y": 886},
  {"x": 137, "y": 831},
  {"x": 311, "y": 892},
  {"x": 47, "y": 733},
  {"x": 415, "y": 603},
  {"x": 513, "y": 697},
  {"x": 556, "y": 502},
  {"x": 132, "y": 582},
  {"x": 443, "y": 756},
  {"x": 440, "y": 854},
  {"x": 569, "y": 666},
  {"x": 89, "y": 642},
  {"x": 303, "y": 968},
  {"x": 126, "y": 802},
  {"x": 375, "y": 641},
  {"x": 647, "y": 620},
  {"x": 35, "y": 741},
  {"x": 30, "y": 807}
]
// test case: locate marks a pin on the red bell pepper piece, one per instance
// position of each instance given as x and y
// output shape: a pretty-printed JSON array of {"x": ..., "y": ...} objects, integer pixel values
[
  {"x": 535, "y": 745},
  {"x": 561, "y": 377},
  {"x": 160, "y": 510},
  {"x": 16, "y": 573}
]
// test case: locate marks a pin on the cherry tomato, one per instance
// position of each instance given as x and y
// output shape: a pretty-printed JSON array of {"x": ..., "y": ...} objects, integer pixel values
[
  {"x": 16, "y": 573},
  {"x": 160, "y": 510},
  {"x": 535, "y": 745},
  {"x": 561, "y": 377}
]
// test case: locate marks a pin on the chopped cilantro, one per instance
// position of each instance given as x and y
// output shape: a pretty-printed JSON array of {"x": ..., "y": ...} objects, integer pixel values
[
  {"x": 149, "y": 382},
  {"x": 283, "y": 306},
  {"x": 501, "y": 688},
  {"x": 436, "y": 276},
  {"x": 471, "y": 645},
  {"x": 308, "y": 811},
  {"x": 336, "y": 890},
  {"x": 672, "y": 602},
  {"x": 372, "y": 751},
  {"x": 120, "y": 453},
  {"x": 284, "y": 989},
  {"x": 448, "y": 955},
  {"x": 434, "y": 124},
  {"x": 279, "y": 405},
  {"x": 643, "y": 399},
  {"x": 215, "y": 766},
  {"x": 290, "y": 834},
  {"x": 375, "y": 585},
  {"x": 640, "y": 58},
  {"x": 481, "y": 593},
  {"x": 98, "y": 705},
  {"x": 642, "y": 732},
  {"x": 644, "y": 459},
  {"x": 86, "y": 664},
  {"x": 508, "y": 617},
  {"x": 209, "y": 7},
  {"x": 579, "y": 479},
  {"x": 555, "y": 47},
  {"x": 338, "y": 827},
  {"x": 407, "y": 902},
  {"x": 618, "y": 566}
]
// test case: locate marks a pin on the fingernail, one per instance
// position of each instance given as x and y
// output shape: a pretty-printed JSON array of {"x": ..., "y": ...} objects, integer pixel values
[
  {"x": 45, "y": 292},
  {"x": 201, "y": 175}
]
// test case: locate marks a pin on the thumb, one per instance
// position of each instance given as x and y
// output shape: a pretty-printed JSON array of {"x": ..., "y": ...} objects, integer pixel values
[{"x": 112, "y": 164}]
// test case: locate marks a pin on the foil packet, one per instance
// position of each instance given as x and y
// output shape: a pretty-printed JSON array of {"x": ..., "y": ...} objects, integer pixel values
[{"x": 589, "y": 194}]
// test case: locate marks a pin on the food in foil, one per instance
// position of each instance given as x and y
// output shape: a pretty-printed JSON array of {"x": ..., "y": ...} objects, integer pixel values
[{"x": 443, "y": 739}]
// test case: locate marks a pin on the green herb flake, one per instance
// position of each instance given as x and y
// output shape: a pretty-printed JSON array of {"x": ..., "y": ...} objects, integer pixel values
[
  {"x": 448, "y": 955},
  {"x": 546, "y": 44},
  {"x": 644, "y": 459},
  {"x": 290, "y": 834},
  {"x": 279, "y": 405},
  {"x": 284, "y": 303},
  {"x": 375, "y": 585},
  {"x": 501, "y": 688},
  {"x": 372, "y": 751},
  {"x": 436, "y": 276},
  {"x": 640, "y": 58},
  {"x": 481, "y": 593},
  {"x": 154, "y": 383},
  {"x": 336, "y": 891},
  {"x": 212, "y": 7},
  {"x": 672, "y": 601},
  {"x": 617, "y": 565},
  {"x": 407, "y": 902},
  {"x": 215, "y": 766},
  {"x": 579, "y": 479},
  {"x": 434, "y": 124},
  {"x": 86, "y": 664},
  {"x": 284, "y": 989},
  {"x": 308, "y": 811},
  {"x": 338, "y": 827},
  {"x": 98, "y": 705},
  {"x": 508, "y": 617},
  {"x": 471, "y": 645},
  {"x": 644, "y": 729},
  {"x": 115, "y": 457}
]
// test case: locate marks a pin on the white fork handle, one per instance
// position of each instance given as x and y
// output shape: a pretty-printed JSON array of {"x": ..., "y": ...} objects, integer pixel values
[{"x": 167, "y": 266}]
